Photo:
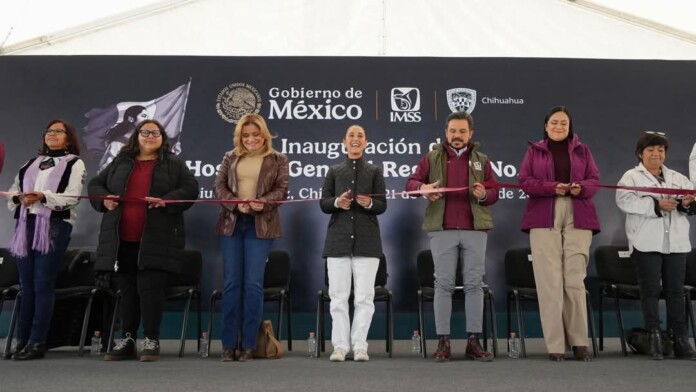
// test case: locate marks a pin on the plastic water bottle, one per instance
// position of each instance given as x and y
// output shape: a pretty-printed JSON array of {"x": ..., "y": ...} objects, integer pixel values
[
  {"x": 204, "y": 342},
  {"x": 312, "y": 345},
  {"x": 96, "y": 344},
  {"x": 416, "y": 342},
  {"x": 513, "y": 346},
  {"x": 13, "y": 348}
]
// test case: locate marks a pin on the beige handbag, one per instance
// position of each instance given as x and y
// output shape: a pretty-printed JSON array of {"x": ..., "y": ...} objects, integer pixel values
[{"x": 267, "y": 346}]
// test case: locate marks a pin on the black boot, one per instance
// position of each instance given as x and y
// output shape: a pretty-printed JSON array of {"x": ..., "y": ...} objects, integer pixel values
[
  {"x": 655, "y": 345},
  {"x": 18, "y": 348},
  {"x": 31, "y": 351},
  {"x": 682, "y": 348}
]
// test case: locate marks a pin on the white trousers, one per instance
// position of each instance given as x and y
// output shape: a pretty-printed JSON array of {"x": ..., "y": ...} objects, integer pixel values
[{"x": 363, "y": 271}]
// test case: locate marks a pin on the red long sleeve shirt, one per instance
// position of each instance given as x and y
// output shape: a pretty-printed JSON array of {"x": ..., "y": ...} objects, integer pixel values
[{"x": 133, "y": 213}]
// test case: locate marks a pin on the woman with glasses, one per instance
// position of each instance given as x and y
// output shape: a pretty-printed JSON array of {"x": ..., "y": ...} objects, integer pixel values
[
  {"x": 658, "y": 237},
  {"x": 254, "y": 177},
  {"x": 560, "y": 177},
  {"x": 44, "y": 203},
  {"x": 142, "y": 235}
]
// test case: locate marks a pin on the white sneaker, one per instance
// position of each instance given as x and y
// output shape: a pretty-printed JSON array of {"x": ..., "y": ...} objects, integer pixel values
[
  {"x": 361, "y": 356},
  {"x": 338, "y": 355}
]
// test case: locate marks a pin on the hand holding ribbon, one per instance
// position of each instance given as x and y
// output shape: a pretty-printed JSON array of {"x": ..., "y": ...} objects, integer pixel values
[
  {"x": 344, "y": 200},
  {"x": 29, "y": 198},
  {"x": 110, "y": 204},
  {"x": 155, "y": 202},
  {"x": 431, "y": 191},
  {"x": 479, "y": 191}
]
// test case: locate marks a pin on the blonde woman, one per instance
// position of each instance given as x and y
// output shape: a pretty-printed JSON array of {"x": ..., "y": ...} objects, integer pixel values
[{"x": 256, "y": 175}]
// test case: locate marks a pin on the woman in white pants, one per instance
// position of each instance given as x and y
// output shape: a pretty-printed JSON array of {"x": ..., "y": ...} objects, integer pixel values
[{"x": 354, "y": 194}]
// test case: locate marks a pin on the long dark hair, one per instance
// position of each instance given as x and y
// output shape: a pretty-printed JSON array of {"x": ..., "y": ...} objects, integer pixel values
[
  {"x": 73, "y": 146},
  {"x": 555, "y": 110},
  {"x": 132, "y": 148}
]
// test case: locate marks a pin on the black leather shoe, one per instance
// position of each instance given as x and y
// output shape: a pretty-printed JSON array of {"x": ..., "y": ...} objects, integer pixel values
[
  {"x": 655, "y": 340},
  {"x": 682, "y": 348},
  {"x": 20, "y": 347},
  {"x": 31, "y": 351}
]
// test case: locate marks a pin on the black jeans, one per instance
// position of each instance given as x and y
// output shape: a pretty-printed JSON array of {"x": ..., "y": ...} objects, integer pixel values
[
  {"x": 142, "y": 293},
  {"x": 651, "y": 268}
]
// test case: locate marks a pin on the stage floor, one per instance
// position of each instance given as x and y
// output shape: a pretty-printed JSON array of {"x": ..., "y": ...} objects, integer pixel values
[{"x": 63, "y": 370}]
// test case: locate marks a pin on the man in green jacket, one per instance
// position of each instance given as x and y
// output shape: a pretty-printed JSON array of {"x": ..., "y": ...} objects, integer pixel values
[{"x": 457, "y": 223}]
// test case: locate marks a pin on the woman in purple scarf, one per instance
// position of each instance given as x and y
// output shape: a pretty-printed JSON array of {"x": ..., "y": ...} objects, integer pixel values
[{"x": 43, "y": 204}]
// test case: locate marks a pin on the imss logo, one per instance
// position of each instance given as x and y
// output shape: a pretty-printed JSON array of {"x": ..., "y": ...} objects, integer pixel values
[{"x": 405, "y": 104}]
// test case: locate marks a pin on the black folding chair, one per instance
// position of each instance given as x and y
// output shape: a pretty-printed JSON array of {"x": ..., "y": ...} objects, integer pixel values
[
  {"x": 519, "y": 275},
  {"x": 618, "y": 280},
  {"x": 9, "y": 287},
  {"x": 75, "y": 281}
]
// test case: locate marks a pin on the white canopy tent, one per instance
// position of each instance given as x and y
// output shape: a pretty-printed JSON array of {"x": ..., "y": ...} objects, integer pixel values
[{"x": 615, "y": 29}]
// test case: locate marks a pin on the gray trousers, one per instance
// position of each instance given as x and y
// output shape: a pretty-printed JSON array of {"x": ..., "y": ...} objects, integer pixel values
[{"x": 449, "y": 247}]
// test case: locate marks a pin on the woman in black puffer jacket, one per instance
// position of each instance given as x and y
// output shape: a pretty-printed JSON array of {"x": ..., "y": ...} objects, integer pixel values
[{"x": 142, "y": 236}]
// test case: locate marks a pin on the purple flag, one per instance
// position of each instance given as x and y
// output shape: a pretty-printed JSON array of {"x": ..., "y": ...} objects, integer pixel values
[{"x": 108, "y": 129}]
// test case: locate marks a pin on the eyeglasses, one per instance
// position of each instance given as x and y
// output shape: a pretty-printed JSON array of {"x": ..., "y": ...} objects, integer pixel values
[
  {"x": 54, "y": 131},
  {"x": 655, "y": 133},
  {"x": 149, "y": 133}
]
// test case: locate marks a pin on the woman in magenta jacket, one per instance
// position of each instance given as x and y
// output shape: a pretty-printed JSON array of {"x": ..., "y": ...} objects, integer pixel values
[
  {"x": 560, "y": 177},
  {"x": 2, "y": 156}
]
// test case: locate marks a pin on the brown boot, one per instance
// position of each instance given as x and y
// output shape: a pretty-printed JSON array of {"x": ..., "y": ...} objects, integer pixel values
[
  {"x": 443, "y": 353},
  {"x": 580, "y": 353},
  {"x": 556, "y": 357},
  {"x": 476, "y": 352},
  {"x": 247, "y": 355}
]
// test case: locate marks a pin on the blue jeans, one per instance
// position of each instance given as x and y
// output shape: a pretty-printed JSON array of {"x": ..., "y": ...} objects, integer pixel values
[
  {"x": 37, "y": 281},
  {"x": 244, "y": 258}
]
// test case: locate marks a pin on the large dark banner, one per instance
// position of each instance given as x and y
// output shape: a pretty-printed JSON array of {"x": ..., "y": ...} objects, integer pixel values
[{"x": 309, "y": 102}]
